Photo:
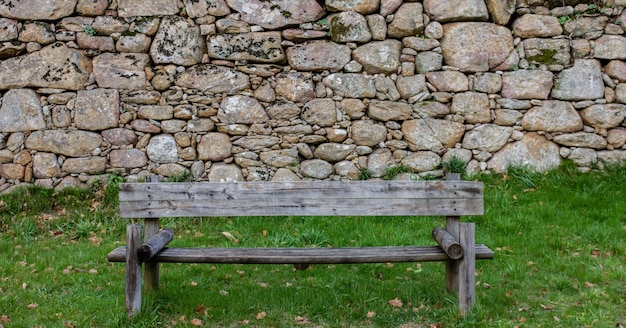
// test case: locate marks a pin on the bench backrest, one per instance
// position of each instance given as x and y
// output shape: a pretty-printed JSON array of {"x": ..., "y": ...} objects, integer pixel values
[{"x": 302, "y": 198}]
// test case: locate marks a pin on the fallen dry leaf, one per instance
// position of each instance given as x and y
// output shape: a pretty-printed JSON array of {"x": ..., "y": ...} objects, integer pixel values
[
  {"x": 300, "y": 319},
  {"x": 93, "y": 271},
  {"x": 244, "y": 322},
  {"x": 223, "y": 292},
  {"x": 589, "y": 285},
  {"x": 193, "y": 284},
  {"x": 395, "y": 303},
  {"x": 370, "y": 314},
  {"x": 261, "y": 315},
  {"x": 196, "y": 322},
  {"x": 32, "y": 306},
  {"x": 5, "y": 319}
]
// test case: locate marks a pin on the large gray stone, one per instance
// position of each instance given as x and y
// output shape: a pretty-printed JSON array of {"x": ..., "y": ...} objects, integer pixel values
[
  {"x": 604, "y": 116},
  {"x": 214, "y": 79},
  {"x": 275, "y": 14},
  {"x": 121, "y": 71},
  {"x": 225, "y": 173},
  {"x": 581, "y": 82},
  {"x": 501, "y": 10},
  {"x": 448, "y": 81},
  {"x": 409, "y": 86},
  {"x": 610, "y": 47},
  {"x": 349, "y": 26},
  {"x": 200, "y": 8},
  {"x": 359, "y": 6},
  {"x": 97, "y": 109},
  {"x": 177, "y": 42},
  {"x": 21, "y": 111},
  {"x": 536, "y": 26},
  {"x": 162, "y": 149},
  {"x": 552, "y": 116},
  {"x": 533, "y": 150},
  {"x": 476, "y": 47},
  {"x": 526, "y": 84},
  {"x": 432, "y": 134},
  {"x": 452, "y": 11},
  {"x": 389, "y": 110},
  {"x": 129, "y": 8},
  {"x": 295, "y": 86},
  {"x": 65, "y": 142},
  {"x": 89, "y": 165},
  {"x": 262, "y": 47},
  {"x": 334, "y": 152},
  {"x": 37, "y": 10},
  {"x": 316, "y": 169},
  {"x": 407, "y": 21},
  {"x": 473, "y": 106},
  {"x": 351, "y": 85},
  {"x": 543, "y": 51},
  {"x": 318, "y": 56},
  {"x": 241, "y": 109},
  {"x": 54, "y": 66},
  {"x": 422, "y": 161},
  {"x": 128, "y": 158},
  {"x": 368, "y": 133},
  {"x": 280, "y": 158},
  {"x": 487, "y": 137},
  {"x": 256, "y": 142},
  {"x": 320, "y": 112},
  {"x": 581, "y": 139},
  {"x": 214, "y": 147},
  {"x": 379, "y": 56}
]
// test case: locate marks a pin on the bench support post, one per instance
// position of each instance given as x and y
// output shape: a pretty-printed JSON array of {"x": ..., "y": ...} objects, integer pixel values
[
  {"x": 467, "y": 269},
  {"x": 133, "y": 269},
  {"x": 151, "y": 274},
  {"x": 453, "y": 224}
]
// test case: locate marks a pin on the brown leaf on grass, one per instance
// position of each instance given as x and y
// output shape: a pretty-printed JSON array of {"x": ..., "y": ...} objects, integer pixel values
[
  {"x": 200, "y": 309},
  {"x": 196, "y": 322},
  {"x": 244, "y": 322},
  {"x": 370, "y": 314},
  {"x": 96, "y": 241},
  {"x": 299, "y": 319},
  {"x": 589, "y": 285},
  {"x": 396, "y": 302},
  {"x": 5, "y": 319},
  {"x": 93, "y": 271},
  {"x": 261, "y": 315},
  {"x": 32, "y": 306},
  {"x": 193, "y": 284}
]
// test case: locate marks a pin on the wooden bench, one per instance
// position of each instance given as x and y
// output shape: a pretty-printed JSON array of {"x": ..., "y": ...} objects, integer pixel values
[{"x": 451, "y": 198}]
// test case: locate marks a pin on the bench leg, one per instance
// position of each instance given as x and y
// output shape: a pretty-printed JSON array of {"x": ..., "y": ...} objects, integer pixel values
[
  {"x": 151, "y": 269},
  {"x": 453, "y": 226},
  {"x": 133, "y": 269},
  {"x": 467, "y": 268}
]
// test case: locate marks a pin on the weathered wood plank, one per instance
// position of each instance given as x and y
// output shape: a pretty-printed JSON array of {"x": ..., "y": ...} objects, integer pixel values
[
  {"x": 467, "y": 269},
  {"x": 151, "y": 270},
  {"x": 303, "y": 255},
  {"x": 302, "y": 207},
  {"x": 308, "y": 198},
  {"x": 133, "y": 269}
]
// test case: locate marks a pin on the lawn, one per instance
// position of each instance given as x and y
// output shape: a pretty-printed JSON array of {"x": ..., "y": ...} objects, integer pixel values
[{"x": 559, "y": 240}]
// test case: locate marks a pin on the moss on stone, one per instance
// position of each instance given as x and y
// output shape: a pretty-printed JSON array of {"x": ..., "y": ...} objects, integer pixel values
[{"x": 546, "y": 57}]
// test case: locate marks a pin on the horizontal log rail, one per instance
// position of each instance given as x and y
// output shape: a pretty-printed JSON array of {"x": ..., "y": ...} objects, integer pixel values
[{"x": 302, "y": 255}]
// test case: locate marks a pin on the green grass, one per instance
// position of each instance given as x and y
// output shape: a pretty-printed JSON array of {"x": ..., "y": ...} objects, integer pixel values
[{"x": 559, "y": 240}]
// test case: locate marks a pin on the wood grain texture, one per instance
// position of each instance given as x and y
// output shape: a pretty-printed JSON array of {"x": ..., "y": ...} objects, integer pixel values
[
  {"x": 152, "y": 271},
  {"x": 467, "y": 269},
  {"x": 302, "y": 198},
  {"x": 448, "y": 243},
  {"x": 303, "y": 255},
  {"x": 134, "y": 234},
  {"x": 154, "y": 244}
]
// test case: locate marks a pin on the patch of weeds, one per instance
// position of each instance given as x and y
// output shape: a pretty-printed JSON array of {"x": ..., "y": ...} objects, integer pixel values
[
  {"x": 365, "y": 174},
  {"x": 524, "y": 176},
  {"x": 455, "y": 165},
  {"x": 179, "y": 178},
  {"x": 89, "y": 30},
  {"x": 393, "y": 171}
]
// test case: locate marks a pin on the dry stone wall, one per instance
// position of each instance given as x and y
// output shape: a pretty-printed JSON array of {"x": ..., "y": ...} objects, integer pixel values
[{"x": 270, "y": 90}]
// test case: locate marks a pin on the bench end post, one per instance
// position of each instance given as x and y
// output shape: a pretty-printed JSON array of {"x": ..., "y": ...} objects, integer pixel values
[{"x": 133, "y": 269}]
